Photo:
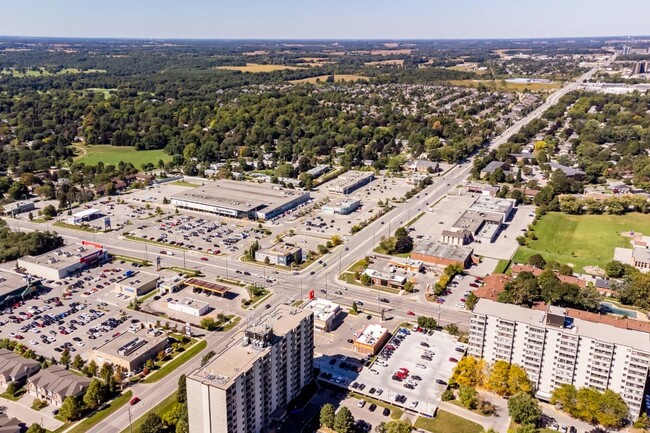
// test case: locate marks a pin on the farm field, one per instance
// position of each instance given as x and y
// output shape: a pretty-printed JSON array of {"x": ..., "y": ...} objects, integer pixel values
[
  {"x": 256, "y": 68},
  {"x": 91, "y": 155},
  {"x": 397, "y": 62},
  {"x": 582, "y": 240},
  {"x": 337, "y": 78},
  {"x": 502, "y": 85}
]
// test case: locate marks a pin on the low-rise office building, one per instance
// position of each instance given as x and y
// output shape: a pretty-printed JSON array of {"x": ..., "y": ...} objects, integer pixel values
[
  {"x": 192, "y": 307},
  {"x": 15, "y": 287},
  {"x": 251, "y": 382},
  {"x": 15, "y": 368},
  {"x": 641, "y": 258},
  {"x": 342, "y": 207},
  {"x": 504, "y": 207},
  {"x": 64, "y": 261},
  {"x": 371, "y": 339},
  {"x": 437, "y": 253},
  {"x": 385, "y": 279},
  {"x": 18, "y": 207},
  {"x": 55, "y": 383},
  {"x": 327, "y": 314},
  {"x": 84, "y": 216},
  {"x": 563, "y": 345},
  {"x": 137, "y": 284},
  {"x": 130, "y": 350},
  {"x": 406, "y": 264},
  {"x": 350, "y": 181},
  {"x": 279, "y": 254}
]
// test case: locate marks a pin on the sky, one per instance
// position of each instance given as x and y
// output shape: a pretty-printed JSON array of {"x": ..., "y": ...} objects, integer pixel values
[{"x": 325, "y": 19}]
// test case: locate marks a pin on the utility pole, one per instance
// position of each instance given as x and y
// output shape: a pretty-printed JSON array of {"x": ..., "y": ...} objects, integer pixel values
[
  {"x": 226, "y": 266},
  {"x": 184, "y": 267}
]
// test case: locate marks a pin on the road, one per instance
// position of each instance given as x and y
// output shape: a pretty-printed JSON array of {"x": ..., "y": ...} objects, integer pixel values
[{"x": 291, "y": 286}]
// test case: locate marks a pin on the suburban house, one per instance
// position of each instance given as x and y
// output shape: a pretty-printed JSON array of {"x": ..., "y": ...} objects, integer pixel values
[
  {"x": 55, "y": 383},
  {"x": 422, "y": 166},
  {"x": 493, "y": 167},
  {"x": 14, "y": 367}
]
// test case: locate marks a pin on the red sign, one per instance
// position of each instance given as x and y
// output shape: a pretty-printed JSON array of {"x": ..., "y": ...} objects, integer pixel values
[
  {"x": 311, "y": 294},
  {"x": 92, "y": 244}
]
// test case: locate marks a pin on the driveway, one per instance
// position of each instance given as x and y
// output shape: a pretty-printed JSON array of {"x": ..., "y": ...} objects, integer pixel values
[
  {"x": 22, "y": 410},
  {"x": 561, "y": 418}
]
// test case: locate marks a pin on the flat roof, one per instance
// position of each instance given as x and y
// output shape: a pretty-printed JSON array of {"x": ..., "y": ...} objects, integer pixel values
[
  {"x": 405, "y": 261},
  {"x": 85, "y": 213},
  {"x": 493, "y": 204},
  {"x": 371, "y": 334},
  {"x": 373, "y": 273},
  {"x": 280, "y": 249},
  {"x": 641, "y": 254},
  {"x": 62, "y": 257},
  {"x": 587, "y": 328},
  {"x": 348, "y": 179},
  {"x": 138, "y": 279},
  {"x": 207, "y": 285},
  {"x": 240, "y": 196},
  {"x": 344, "y": 202},
  {"x": 236, "y": 359},
  {"x": 322, "y": 308},
  {"x": 112, "y": 346},
  {"x": 439, "y": 249},
  {"x": 9, "y": 282},
  {"x": 190, "y": 302},
  {"x": 472, "y": 220}
]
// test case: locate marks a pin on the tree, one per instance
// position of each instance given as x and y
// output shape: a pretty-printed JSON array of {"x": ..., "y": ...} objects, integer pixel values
[
  {"x": 565, "y": 397},
  {"x": 365, "y": 279},
  {"x": 470, "y": 301},
  {"x": 613, "y": 410},
  {"x": 614, "y": 269},
  {"x": 78, "y": 362},
  {"x": 524, "y": 409},
  {"x": 518, "y": 381},
  {"x": 447, "y": 395},
  {"x": 36, "y": 428},
  {"x": 65, "y": 358},
  {"x": 181, "y": 394},
  {"x": 95, "y": 394},
  {"x": 152, "y": 424},
  {"x": 70, "y": 409},
  {"x": 527, "y": 428},
  {"x": 537, "y": 261},
  {"x": 209, "y": 324},
  {"x": 497, "y": 380},
  {"x": 327, "y": 415},
  {"x": 12, "y": 387},
  {"x": 643, "y": 422},
  {"x": 468, "y": 397},
  {"x": 343, "y": 421},
  {"x": 92, "y": 368},
  {"x": 182, "y": 427},
  {"x": 397, "y": 426},
  {"x": 452, "y": 329},
  {"x": 469, "y": 372}
]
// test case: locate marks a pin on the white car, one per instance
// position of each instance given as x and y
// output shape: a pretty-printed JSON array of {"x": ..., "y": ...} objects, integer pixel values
[
  {"x": 80, "y": 343},
  {"x": 361, "y": 403},
  {"x": 422, "y": 366},
  {"x": 373, "y": 371},
  {"x": 33, "y": 342},
  {"x": 414, "y": 404}
]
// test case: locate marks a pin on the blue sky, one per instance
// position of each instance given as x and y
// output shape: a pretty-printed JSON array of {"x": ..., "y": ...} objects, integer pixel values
[{"x": 335, "y": 19}]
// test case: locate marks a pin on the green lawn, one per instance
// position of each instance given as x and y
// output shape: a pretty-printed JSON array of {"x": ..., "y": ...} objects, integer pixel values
[
  {"x": 91, "y": 155},
  {"x": 446, "y": 422},
  {"x": 395, "y": 412},
  {"x": 175, "y": 363},
  {"x": 97, "y": 417},
  {"x": 582, "y": 240},
  {"x": 502, "y": 266},
  {"x": 161, "y": 409},
  {"x": 184, "y": 183}
]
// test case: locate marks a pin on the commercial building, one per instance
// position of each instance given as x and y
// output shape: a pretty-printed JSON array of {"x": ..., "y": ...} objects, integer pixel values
[
  {"x": 137, "y": 283},
  {"x": 326, "y": 314},
  {"x": 493, "y": 166},
  {"x": 563, "y": 345},
  {"x": 422, "y": 166},
  {"x": 503, "y": 207},
  {"x": 16, "y": 287},
  {"x": 641, "y": 258},
  {"x": 342, "y": 207},
  {"x": 55, "y": 383},
  {"x": 350, "y": 181},
  {"x": 251, "y": 382},
  {"x": 371, "y": 339},
  {"x": 441, "y": 254},
  {"x": 190, "y": 306},
  {"x": 14, "y": 368},
  {"x": 385, "y": 279},
  {"x": 130, "y": 350},
  {"x": 207, "y": 286},
  {"x": 319, "y": 170},
  {"x": 172, "y": 285},
  {"x": 18, "y": 207},
  {"x": 406, "y": 264},
  {"x": 480, "y": 226},
  {"x": 568, "y": 171},
  {"x": 240, "y": 199},
  {"x": 482, "y": 188},
  {"x": 83, "y": 216},
  {"x": 459, "y": 237},
  {"x": 64, "y": 261},
  {"x": 279, "y": 254}
]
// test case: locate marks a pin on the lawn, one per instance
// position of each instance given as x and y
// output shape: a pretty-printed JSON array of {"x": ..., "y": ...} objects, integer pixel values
[
  {"x": 582, "y": 240},
  {"x": 185, "y": 183},
  {"x": 161, "y": 409},
  {"x": 99, "y": 416},
  {"x": 256, "y": 68},
  {"x": 446, "y": 422},
  {"x": 502, "y": 85},
  {"x": 179, "y": 360},
  {"x": 337, "y": 77},
  {"x": 91, "y": 155},
  {"x": 386, "y": 63},
  {"x": 395, "y": 412}
]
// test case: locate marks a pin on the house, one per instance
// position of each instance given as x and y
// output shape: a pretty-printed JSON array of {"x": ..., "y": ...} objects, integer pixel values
[
  {"x": 55, "y": 383},
  {"x": 9, "y": 425},
  {"x": 517, "y": 269},
  {"x": 571, "y": 172},
  {"x": 493, "y": 167},
  {"x": 422, "y": 166},
  {"x": 15, "y": 368},
  {"x": 492, "y": 286}
]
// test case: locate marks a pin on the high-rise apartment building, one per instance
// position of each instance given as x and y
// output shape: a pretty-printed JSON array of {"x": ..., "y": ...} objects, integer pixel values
[
  {"x": 242, "y": 388},
  {"x": 557, "y": 345}
]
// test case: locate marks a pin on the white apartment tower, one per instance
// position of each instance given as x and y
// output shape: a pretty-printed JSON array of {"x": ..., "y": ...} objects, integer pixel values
[
  {"x": 249, "y": 383},
  {"x": 559, "y": 345}
]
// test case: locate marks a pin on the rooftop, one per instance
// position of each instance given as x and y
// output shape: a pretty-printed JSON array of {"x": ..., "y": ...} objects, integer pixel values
[
  {"x": 62, "y": 257},
  {"x": 12, "y": 364},
  {"x": 373, "y": 273},
  {"x": 223, "y": 369},
  {"x": 348, "y": 179},
  {"x": 569, "y": 171},
  {"x": 241, "y": 196},
  {"x": 10, "y": 281},
  {"x": 129, "y": 345},
  {"x": 280, "y": 249},
  {"x": 139, "y": 279},
  {"x": 322, "y": 309},
  {"x": 85, "y": 213},
  {"x": 493, "y": 204},
  {"x": 57, "y": 380},
  {"x": 371, "y": 334},
  {"x": 641, "y": 254},
  {"x": 190, "y": 302},
  {"x": 493, "y": 166},
  {"x": 438, "y": 249},
  {"x": 472, "y": 221}
]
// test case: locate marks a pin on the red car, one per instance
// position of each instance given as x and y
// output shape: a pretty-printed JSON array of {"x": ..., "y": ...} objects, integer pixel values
[
  {"x": 134, "y": 400},
  {"x": 410, "y": 313},
  {"x": 405, "y": 370},
  {"x": 205, "y": 259},
  {"x": 473, "y": 285},
  {"x": 453, "y": 360}
]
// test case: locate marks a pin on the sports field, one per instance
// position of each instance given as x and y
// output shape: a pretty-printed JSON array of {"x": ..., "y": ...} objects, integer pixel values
[
  {"x": 91, "y": 155},
  {"x": 255, "y": 68},
  {"x": 582, "y": 240},
  {"x": 337, "y": 78}
]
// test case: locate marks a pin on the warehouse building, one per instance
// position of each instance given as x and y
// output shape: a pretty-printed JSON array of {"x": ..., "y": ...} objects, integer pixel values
[
  {"x": 342, "y": 207},
  {"x": 350, "y": 181},
  {"x": 18, "y": 207},
  {"x": 441, "y": 254},
  {"x": 279, "y": 254},
  {"x": 15, "y": 287},
  {"x": 192, "y": 307},
  {"x": 83, "y": 216},
  {"x": 137, "y": 283},
  {"x": 240, "y": 199},
  {"x": 371, "y": 340},
  {"x": 327, "y": 314},
  {"x": 130, "y": 350},
  {"x": 64, "y": 261}
]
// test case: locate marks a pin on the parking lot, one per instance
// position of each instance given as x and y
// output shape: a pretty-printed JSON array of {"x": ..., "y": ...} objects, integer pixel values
[
  {"x": 458, "y": 290},
  {"x": 411, "y": 371}
]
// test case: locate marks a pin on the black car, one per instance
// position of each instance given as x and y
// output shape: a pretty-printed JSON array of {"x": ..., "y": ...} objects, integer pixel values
[
  {"x": 350, "y": 340},
  {"x": 408, "y": 386},
  {"x": 372, "y": 407},
  {"x": 427, "y": 358},
  {"x": 416, "y": 377},
  {"x": 386, "y": 300},
  {"x": 372, "y": 390},
  {"x": 267, "y": 306},
  {"x": 362, "y": 387},
  {"x": 441, "y": 382},
  {"x": 355, "y": 385},
  {"x": 385, "y": 412}
]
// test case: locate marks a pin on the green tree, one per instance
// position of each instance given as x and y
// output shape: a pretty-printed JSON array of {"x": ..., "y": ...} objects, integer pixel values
[
  {"x": 452, "y": 329},
  {"x": 182, "y": 426},
  {"x": 447, "y": 395},
  {"x": 365, "y": 279},
  {"x": 565, "y": 397},
  {"x": 327, "y": 415},
  {"x": 537, "y": 261},
  {"x": 95, "y": 394},
  {"x": 397, "y": 426},
  {"x": 70, "y": 409},
  {"x": 468, "y": 397},
  {"x": 152, "y": 424},
  {"x": 78, "y": 362},
  {"x": 527, "y": 428},
  {"x": 36, "y": 428},
  {"x": 209, "y": 324},
  {"x": 92, "y": 368},
  {"x": 181, "y": 395},
  {"x": 614, "y": 269},
  {"x": 470, "y": 301},
  {"x": 65, "y": 358},
  {"x": 343, "y": 421},
  {"x": 613, "y": 410},
  {"x": 642, "y": 422},
  {"x": 524, "y": 409},
  {"x": 12, "y": 387}
]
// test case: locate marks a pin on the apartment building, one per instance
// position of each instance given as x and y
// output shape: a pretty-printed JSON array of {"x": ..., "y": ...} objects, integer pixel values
[
  {"x": 251, "y": 382},
  {"x": 562, "y": 345}
]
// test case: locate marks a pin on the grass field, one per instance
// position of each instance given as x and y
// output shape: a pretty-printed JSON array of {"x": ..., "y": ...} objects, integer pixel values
[
  {"x": 337, "y": 78},
  {"x": 38, "y": 72},
  {"x": 502, "y": 85},
  {"x": 446, "y": 422},
  {"x": 179, "y": 360},
  {"x": 399, "y": 62},
  {"x": 582, "y": 240},
  {"x": 91, "y": 155},
  {"x": 256, "y": 68}
]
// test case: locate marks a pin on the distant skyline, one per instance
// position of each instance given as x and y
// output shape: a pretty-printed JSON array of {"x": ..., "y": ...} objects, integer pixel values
[{"x": 333, "y": 19}]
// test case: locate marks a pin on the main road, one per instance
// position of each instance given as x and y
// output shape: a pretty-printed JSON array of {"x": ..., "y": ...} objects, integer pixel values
[{"x": 324, "y": 278}]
